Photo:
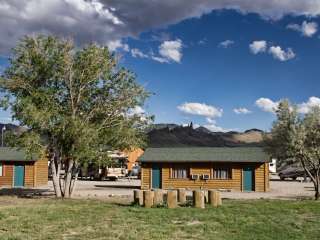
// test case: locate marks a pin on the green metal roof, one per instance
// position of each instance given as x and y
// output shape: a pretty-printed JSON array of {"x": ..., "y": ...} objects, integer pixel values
[
  {"x": 15, "y": 154},
  {"x": 205, "y": 154}
]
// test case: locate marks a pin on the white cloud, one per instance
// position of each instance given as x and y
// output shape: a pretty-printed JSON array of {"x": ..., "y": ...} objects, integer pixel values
[
  {"x": 195, "y": 125},
  {"x": 276, "y": 51},
  {"x": 258, "y": 46},
  {"x": 210, "y": 120},
  {"x": 215, "y": 128},
  {"x": 305, "y": 107},
  {"x": 95, "y": 7},
  {"x": 203, "y": 41},
  {"x": 282, "y": 55},
  {"x": 135, "y": 52},
  {"x": 159, "y": 59},
  {"x": 241, "y": 110},
  {"x": 267, "y": 105},
  {"x": 171, "y": 50},
  {"x": 208, "y": 111},
  {"x": 137, "y": 110},
  {"x": 117, "y": 45},
  {"x": 102, "y": 21},
  {"x": 307, "y": 29},
  {"x": 201, "y": 109},
  {"x": 226, "y": 43}
]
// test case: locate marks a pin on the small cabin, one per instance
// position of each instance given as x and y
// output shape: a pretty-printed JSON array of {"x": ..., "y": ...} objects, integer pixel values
[
  {"x": 18, "y": 170},
  {"x": 230, "y": 168}
]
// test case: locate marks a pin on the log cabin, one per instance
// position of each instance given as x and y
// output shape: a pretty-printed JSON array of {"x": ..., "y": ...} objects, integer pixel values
[
  {"x": 229, "y": 168},
  {"x": 18, "y": 170}
]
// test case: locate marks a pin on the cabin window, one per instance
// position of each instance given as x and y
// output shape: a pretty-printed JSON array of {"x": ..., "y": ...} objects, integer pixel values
[
  {"x": 1, "y": 170},
  {"x": 179, "y": 172},
  {"x": 222, "y": 173}
]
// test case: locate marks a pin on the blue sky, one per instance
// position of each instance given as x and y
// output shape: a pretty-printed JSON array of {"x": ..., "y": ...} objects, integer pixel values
[
  {"x": 228, "y": 77},
  {"x": 222, "y": 69}
]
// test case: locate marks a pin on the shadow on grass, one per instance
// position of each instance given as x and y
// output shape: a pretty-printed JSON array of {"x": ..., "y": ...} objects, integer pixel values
[{"x": 25, "y": 192}]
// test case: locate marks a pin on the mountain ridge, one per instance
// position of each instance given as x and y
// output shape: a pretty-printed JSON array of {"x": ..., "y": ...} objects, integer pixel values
[{"x": 186, "y": 136}]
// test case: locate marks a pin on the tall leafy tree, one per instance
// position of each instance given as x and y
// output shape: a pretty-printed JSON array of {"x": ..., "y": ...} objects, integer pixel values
[
  {"x": 297, "y": 138},
  {"x": 74, "y": 102}
]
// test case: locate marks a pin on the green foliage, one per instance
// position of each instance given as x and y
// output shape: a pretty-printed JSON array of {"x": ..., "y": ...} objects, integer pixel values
[
  {"x": 283, "y": 132},
  {"x": 297, "y": 138},
  {"x": 76, "y": 99}
]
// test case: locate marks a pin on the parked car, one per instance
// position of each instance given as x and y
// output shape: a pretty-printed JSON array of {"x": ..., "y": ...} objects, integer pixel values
[{"x": 292, "y": 172}]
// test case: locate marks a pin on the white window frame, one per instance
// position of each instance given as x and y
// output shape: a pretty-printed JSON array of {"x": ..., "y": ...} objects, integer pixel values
[
  {"x": 222, "y": 173},
  {"x": 179, "y": 172},
  {"x": 1, "y": 170}
]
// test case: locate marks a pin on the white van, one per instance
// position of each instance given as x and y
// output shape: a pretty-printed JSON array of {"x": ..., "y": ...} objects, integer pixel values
[{"x": 273, "y": 166}]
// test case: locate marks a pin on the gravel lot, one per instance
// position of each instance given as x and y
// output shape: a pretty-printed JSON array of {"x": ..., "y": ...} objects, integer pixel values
[{"x": 124, "y": 188}]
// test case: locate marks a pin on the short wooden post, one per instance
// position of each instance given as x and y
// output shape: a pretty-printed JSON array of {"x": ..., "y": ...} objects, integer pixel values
[
  {"x": 214, "y": 198},
  {"x": 148, "y": 198},
  {"x": 158, "y": 197},
  {"x": 219, "y": 199},
  {"x": 198, "y": 199},
  {"x": 206, "y": 196},
  {"x": 182, "y": 196},
  {"x": 172, "y": 200},
  {"x": 138, "y": 197}
]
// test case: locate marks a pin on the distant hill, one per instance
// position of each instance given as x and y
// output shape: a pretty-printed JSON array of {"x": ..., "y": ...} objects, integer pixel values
[
  {"x": 161, "y": 126},
  {"x": 180, "y": 136},
  {"x": 173, "y": 135}
]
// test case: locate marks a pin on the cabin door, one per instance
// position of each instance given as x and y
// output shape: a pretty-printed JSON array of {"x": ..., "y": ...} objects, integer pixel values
[
  {"x": 156, "y": 176},
  {"x": 18, "y": 175},
  {"x": 248, "y": 179}
]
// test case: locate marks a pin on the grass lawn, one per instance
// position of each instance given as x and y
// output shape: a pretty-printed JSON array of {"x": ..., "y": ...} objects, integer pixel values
[{"x": 92, "y": 219}]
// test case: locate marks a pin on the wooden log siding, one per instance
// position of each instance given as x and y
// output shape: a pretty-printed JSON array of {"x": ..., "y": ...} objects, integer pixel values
[
  {"x": 29, "y": 171},
  {"x": 234, "y": 182},
  {"x": 7, "y": 178},
  {"x": 146, "y": 176},
  {"x": 41, "y": 172},
  {"x": 35, "y": 173}
]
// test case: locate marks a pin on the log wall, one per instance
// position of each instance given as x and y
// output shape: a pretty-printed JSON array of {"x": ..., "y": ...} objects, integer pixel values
[{"x": 235, "y": 182}]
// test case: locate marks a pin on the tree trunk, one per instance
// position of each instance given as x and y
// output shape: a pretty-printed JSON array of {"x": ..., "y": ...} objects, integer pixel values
[
  {"x": 316, "y": 188},
  {"x": 55, "y": 169},
  {"x": 317, "y": 195},
  {"x": 314, "y": 178},
  {"x": 56, "y": 187},
  {"x": 68, "y": 179}
]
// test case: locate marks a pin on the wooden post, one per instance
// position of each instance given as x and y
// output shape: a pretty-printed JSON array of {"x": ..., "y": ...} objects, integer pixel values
[
  {"x": 138, "y": 197},
  {"x": 214, "y": 198},
  {"x": 172, "y": 200},
  {"x": 206, "y": 196},
  {"x": 182, "y": 196},
  {"x": 198, "y": 199},
  {"x": 219, "y": 199},
  {"x": 148, "y": 198},
  {"x": 158, "y": 197}
]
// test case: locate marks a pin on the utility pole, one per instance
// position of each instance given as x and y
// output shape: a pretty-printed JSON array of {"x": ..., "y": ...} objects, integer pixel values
[{"x": 2, "y": 131}]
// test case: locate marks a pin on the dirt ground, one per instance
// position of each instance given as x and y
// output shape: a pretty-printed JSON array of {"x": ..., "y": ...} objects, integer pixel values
[{"x": 122, "y": 190}]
